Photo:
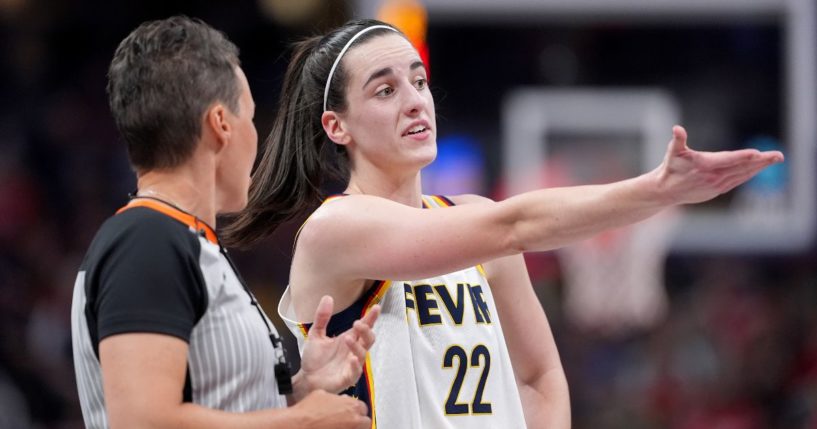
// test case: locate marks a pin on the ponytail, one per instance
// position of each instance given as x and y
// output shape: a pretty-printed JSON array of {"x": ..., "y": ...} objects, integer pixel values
[
  {"x": 298, "y": 155},
  {"x": 288, "y": 176}
]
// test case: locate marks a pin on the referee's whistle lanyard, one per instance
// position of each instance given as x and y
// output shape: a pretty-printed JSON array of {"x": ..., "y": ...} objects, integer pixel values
[{"x": 282, "y": 372}]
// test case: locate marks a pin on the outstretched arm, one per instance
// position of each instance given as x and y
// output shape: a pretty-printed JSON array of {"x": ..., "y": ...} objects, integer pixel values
[
  {"x": 552, "y": 218},
  {"x": 382, "y": 239}
]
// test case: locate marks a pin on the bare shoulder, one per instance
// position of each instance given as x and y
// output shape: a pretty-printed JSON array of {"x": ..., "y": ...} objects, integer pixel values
[
  {"x": 328, "y": 218},
  {"x": 324, "y": 234},
  {"x": 342, "y": 218},
  {"x": 468, "y": 199}
]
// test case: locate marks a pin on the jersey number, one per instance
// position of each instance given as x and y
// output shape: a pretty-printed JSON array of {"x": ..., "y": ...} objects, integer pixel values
[{"x": 452, "y": 407}]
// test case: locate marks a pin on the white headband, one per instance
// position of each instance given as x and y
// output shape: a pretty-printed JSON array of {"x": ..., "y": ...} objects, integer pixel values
[{"x": 340, "y": 55}]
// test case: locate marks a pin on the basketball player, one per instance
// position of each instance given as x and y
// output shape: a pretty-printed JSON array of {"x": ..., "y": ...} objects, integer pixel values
[
  {"x": 165, "y": 333},
  {"x": 462, "y": 341}
]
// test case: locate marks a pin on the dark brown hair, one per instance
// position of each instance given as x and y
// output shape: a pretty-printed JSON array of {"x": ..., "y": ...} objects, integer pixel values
[
  {"x": 298, "y": 154},
  {"x": 163, "y": 77}
]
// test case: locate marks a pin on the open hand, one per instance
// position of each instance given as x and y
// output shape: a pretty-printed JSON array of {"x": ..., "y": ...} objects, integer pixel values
[
  {"x": 689, "y": 176},
  {"x": 335, "y": 363}
]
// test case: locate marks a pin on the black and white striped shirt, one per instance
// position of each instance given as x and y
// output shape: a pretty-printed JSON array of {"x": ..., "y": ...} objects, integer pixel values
[{"x": 153, "y": 268}]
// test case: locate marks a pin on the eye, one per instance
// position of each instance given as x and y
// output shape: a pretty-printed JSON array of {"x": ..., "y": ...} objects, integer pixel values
[
  {"x": 385, "y": 92},
  {"x": 421, "y": 83}
]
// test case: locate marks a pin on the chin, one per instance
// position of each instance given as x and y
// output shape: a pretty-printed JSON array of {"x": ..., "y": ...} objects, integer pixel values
[{"x": 428, "y": 156}]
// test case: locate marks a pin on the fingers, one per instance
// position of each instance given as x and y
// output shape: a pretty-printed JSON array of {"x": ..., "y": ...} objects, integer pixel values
[
  {"x": 679, "y": 140},
  {"x": 358, "y": 349},
  {"x": 730, "y": 182},
  {"x": 727, "y": 178},
  {"x": 362, "y": 409},
  {"x": 739, "y": 174},
  {"x": 741, "y": 157},
  {"x": 322, "y": 315},
  {"x": 775, "y": 156},
  {"x": 359, "y": 409},
  {"x": 371, "y": 316},
  {"x": 364, "y": 334},
  {"x": 326, "y": 410},
  {"x": 362, "y": 421},
  {"x": 746, "y": 160},
  {"x": 359, "y": 339},
  {"x": 678, "y": 144}
]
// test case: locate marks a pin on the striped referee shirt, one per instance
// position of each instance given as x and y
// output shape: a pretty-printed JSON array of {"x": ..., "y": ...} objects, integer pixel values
[{"x": 153, "y": 268}]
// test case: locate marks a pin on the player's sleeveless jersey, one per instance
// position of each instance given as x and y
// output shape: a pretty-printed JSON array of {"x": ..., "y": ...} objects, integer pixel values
[{"x": 439, "y": 360}]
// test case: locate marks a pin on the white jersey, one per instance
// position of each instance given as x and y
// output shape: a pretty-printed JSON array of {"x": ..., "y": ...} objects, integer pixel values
[{"x": 440, "y": 359}]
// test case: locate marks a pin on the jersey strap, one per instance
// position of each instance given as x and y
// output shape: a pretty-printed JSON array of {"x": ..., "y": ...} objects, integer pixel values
[{"x": 432, "y": 201}]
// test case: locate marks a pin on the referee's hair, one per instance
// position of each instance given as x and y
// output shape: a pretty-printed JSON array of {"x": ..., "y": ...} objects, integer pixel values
[{"x": 164, "y": 75}]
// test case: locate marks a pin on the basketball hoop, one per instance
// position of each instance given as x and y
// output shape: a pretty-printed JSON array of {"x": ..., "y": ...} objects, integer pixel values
[{"x": 615, "y": 280}]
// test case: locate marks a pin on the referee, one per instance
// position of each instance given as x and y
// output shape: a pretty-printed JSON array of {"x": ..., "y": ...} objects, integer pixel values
[{"x": 165, "y": 333}]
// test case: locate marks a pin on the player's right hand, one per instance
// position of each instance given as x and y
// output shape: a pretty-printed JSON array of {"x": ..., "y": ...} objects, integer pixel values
[
  {"x": 322, "y": 410},
  {"x": 689, "y": 176}
]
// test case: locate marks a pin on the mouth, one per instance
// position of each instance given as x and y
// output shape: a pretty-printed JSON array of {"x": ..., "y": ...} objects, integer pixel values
[{"x": 418, "y": 129}]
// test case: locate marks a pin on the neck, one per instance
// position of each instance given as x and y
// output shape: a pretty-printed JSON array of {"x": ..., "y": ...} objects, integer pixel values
[
  {"x": 182, "y": 188},
  {"x": 405, "y": 190}
]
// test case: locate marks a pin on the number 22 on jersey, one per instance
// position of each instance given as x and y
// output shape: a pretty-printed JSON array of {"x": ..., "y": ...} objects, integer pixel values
[{"x": 480, "y": 358}]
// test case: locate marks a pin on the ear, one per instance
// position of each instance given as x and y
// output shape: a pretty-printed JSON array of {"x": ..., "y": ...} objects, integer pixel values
[
  {"x": 335, "y": 128},
  {"x": 216, "y": 121}
]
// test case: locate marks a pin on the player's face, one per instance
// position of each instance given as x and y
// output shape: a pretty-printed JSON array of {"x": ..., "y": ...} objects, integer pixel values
[
  {"x": 241, "y": 151},
  {"x": 390, "y": 115}
]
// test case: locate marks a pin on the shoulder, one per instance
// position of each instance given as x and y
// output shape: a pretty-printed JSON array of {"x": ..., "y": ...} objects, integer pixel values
[
  {"x": 144, "y": 221},
  {"x": 141, "y": 235},
  {"x": 344, "y": 213},
  {"x": 337, "y": 218},
  {"x": 356, "y": 223},
  {"x": 144, "y": 262},
  {"x": 468, "y": 199}
]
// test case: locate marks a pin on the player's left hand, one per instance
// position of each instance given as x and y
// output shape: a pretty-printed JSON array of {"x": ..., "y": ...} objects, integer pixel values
[{"x": 335, "y": 363}]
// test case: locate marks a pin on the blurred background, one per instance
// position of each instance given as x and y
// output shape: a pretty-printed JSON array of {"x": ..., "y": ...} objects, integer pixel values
[{"x": 703, "y": 317}]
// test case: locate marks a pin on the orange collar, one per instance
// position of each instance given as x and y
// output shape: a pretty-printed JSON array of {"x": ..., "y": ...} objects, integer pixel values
[{"x": 166, "y": 209}]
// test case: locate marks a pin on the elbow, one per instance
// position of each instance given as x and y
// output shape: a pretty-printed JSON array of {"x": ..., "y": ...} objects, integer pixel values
[
  {"x": 522, "y": 231},
  {"x": 548, "y": 379},
  {"x": 536, "y": 235},
  {"x": 515, "y": 242},
  {"x": 510, "y": 229},
  {"x": 525, "y": 236}
]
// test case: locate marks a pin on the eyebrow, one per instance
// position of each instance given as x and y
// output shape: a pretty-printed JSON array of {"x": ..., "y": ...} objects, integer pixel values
[
  {"x": 388, "y": 70},
  {"x": 380, "y": 73}
]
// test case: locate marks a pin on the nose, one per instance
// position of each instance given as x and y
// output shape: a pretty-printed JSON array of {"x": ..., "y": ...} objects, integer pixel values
[{"x": 415, "y": 101}]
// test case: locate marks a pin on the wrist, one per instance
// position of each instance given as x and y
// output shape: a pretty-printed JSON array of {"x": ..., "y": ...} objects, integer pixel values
[
  {"x": 654, "y": 190},
  {"x": 296, "y": 416},
  {"x": 300, "y": 386}
]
